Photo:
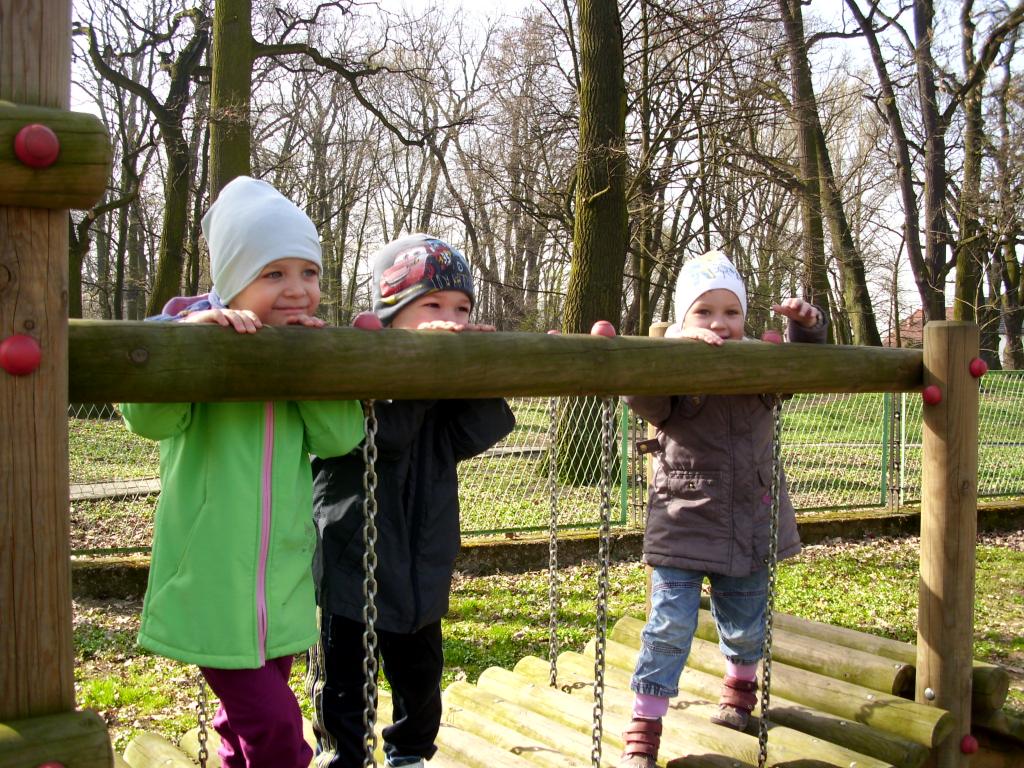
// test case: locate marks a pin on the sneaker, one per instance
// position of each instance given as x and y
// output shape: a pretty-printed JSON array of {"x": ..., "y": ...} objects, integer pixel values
[
  {"x": 637, "y": 761},
  {"x": 731, "y": 717},
  {"x": 405, "y": 762},
  {"x": 738, "y": 699},
  {"x": 642, "y": 737}
]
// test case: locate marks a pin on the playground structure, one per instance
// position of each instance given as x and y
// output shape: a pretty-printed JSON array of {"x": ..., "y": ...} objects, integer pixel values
[{"x": 63, "y": 165}]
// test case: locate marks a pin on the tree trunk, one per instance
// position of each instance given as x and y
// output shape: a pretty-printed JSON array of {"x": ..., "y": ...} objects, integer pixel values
[
  {"x": 930, "y": 293},
  {"x": 1006, "y": 254},
  {"x": 171, "y": 257},
  {"x": 135, "y": 284},
  {"x": 195, "y": 225},
  {"x": 989, "y": 315},
  {"x": 1013, "y": 315},
  {"x": 230, "y": 93},
  {"x": 103, "y": 292},
  {"x": 936, "y": 225},
  {"x": 972, "y": 249},
  {"x": 600, "y": 231},
  {"x": 805, "y": 118},
  {"x": 856, "y": 298}
]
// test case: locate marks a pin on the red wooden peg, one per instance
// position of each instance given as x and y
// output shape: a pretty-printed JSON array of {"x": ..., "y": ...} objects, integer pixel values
[
  {"x": 772, "y": 336},
  {"x": 36, "y": 146},
  {"x": 602, "y": 328},
  {"x": 367, "y": 321},
  {"x": 50, "y": 764},
  {"x": 554, "y": 332},
  {"x": 931, "y": 394},
  {"x": 968, "y": 744},
  {"x": 20, "y": 354},
  {"x": 978, "y": 367}
]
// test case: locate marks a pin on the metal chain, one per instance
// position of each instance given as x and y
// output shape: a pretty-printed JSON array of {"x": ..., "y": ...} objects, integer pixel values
[
  {"x": 369, "y": 585},
  {"x": 553, "y": 541},
  {"x": 201, "y": 715},
  {"x": 773, "y": 551},
  {"x": 604, "y": 557}
]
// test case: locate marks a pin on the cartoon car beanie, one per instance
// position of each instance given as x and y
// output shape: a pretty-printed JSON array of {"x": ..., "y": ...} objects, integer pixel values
[
  {"x": 413, "y": 266},
  {"x": 706, "y": 273},
  {"x": 250, "y": 225}
]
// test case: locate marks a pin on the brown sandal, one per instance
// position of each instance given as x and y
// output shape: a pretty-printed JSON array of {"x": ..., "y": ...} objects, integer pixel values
[
  {"x": 642, "y": 737},
  {"x": 737, "y": 700}
]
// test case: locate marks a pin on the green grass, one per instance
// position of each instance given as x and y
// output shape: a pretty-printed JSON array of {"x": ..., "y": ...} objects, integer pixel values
[
  {"x": 496, "y": 620},
  {"x": 103, "y": 449},
  {"x": 832, "y": 449}
]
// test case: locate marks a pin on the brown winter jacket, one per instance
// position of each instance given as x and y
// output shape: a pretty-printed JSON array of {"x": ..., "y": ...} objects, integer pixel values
[{"x": 708, "y": 503}]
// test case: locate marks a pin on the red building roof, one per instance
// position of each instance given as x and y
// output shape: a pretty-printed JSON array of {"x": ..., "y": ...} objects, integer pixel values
[{"x": 912, "y": 330}]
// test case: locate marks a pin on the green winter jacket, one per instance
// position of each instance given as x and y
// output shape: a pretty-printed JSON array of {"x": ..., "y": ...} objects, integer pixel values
[{"x": 230, "y": 583}]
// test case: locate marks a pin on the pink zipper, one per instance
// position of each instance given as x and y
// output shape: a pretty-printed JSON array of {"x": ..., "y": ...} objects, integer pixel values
[{"x": 261, "y": 586}]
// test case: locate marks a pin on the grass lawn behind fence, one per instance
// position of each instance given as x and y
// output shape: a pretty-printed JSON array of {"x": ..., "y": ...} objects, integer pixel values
[
  {"x": 832, "y": 448},
  {"x": 834, "y": 458},
  {"x": 496, "y": 620}
]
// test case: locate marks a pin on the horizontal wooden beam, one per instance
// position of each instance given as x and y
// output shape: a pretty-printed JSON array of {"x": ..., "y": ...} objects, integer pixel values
[
  {"x": 71, "y": 739},
  {"x": 76, "y": 179},
  {"x": 165, "y": 362}
]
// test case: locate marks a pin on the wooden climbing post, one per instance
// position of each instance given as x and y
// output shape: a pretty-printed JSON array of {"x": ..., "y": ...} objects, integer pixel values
[
  {"x": 50, "y": 160},
  {"x": 948, "y": 529},
  {"x": 36, "y": 663}
]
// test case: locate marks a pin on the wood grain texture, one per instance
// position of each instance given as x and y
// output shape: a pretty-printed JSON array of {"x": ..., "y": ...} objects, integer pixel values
[
  {"x": 949, "y": 494},
  {"x": 114, "y": 361},
  {"x": 36, "y": 655}
]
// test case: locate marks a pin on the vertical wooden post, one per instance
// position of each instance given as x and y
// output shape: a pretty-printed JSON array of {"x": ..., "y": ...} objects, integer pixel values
[
  {"x": 36, "y": 653},
  {"x": 948, "y": 529}
]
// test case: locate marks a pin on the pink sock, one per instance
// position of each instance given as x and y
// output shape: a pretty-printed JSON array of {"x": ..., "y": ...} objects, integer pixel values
[
  {"x": 741, "y": 671},
  {"x": 650, "y": 707}
]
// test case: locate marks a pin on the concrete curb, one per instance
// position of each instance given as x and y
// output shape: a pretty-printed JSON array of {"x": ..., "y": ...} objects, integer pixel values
[{"x": 125, "y": 577}]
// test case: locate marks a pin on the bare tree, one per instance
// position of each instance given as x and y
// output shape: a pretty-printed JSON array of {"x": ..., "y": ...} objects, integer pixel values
[{"x": 169, "y": 114}]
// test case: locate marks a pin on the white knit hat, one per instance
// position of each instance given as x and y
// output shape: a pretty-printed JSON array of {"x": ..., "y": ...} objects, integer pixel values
[
  {"x": 250, "y": 225},
  {"x": 706, "y": 273}
]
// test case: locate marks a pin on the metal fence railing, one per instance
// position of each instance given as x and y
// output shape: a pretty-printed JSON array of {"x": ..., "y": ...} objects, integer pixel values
[{"x": 840, "y": 450}]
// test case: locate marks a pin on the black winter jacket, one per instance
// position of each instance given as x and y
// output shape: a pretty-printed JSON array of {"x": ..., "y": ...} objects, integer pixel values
[{"x": 419, "y": 443}]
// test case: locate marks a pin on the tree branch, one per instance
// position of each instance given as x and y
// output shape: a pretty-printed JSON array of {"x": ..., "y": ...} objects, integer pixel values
[{"x": 352, "y": 77}]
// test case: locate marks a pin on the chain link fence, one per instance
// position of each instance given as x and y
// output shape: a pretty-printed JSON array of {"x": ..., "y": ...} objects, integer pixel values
[{"x": 840, "y": 451}]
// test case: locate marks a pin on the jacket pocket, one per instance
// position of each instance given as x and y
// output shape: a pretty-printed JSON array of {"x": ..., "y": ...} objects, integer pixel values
[
  {"x": 693, "y": 489},
  {"x": 691, "y": 520}
]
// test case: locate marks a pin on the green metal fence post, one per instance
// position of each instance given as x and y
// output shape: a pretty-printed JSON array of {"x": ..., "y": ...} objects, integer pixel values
[
  {"x": 886, "y": 416},
  {"x": 903, "y": 445},
  {"x": 624, "y": 465}
]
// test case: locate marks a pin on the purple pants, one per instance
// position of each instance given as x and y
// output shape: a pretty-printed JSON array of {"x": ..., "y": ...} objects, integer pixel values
[{"x": 259, "y": 721}]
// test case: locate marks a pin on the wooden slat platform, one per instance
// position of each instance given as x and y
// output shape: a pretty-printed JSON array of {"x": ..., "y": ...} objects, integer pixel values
[{"x": 514, "y": 719}]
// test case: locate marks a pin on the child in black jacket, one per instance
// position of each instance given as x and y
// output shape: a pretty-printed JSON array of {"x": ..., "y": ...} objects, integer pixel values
[{"x": 420, "y": 283}]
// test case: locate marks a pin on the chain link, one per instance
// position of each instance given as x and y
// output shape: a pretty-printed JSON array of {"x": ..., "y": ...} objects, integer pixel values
[
  {"x": 201, "y": 715},
  {"x": 773, "y": 550},
  {"x": 553, "y": 541},
  {"x": 604, "y": 558},
  {"x": 369, "y": 585}
]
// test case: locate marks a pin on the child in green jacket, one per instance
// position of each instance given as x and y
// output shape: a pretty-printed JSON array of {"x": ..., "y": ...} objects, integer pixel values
[{"x": 230, "y": 584}]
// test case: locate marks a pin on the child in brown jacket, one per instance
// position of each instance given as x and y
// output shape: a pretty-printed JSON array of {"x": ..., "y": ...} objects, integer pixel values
[{"x": 708, "y": 512}]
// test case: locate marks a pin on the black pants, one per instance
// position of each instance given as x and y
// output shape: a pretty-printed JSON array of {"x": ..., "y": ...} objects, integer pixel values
[{"x": 412, "y": 664}]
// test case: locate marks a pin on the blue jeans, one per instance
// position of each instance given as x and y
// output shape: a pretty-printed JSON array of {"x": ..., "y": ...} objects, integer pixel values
[{"x": 737, "y": 604}]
